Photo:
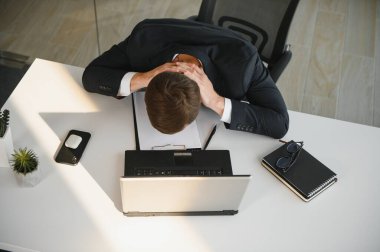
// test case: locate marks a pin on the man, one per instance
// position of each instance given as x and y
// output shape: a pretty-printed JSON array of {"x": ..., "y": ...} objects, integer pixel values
[{"x": 183, "y": 63}]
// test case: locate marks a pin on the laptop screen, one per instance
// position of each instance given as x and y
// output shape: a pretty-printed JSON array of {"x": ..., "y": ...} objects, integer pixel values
[{"x": 187, "y": 195}]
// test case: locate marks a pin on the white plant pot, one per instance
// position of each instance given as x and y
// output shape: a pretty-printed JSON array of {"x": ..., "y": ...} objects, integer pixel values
[
  {"x": 6, "y": 148},
  {"x": 29, "y": 179}
]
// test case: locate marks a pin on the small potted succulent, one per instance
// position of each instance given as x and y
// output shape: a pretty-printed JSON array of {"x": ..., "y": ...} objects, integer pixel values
[
  {"x": 6, "y": 144},
  {"x": 25, "y": 165}
]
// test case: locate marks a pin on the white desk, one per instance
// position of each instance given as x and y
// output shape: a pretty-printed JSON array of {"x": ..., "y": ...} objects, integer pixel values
[{"x": 77, "y": 208}]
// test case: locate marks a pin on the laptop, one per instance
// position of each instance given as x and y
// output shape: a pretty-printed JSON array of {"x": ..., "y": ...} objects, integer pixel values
[{"x": 169, "y": 182}]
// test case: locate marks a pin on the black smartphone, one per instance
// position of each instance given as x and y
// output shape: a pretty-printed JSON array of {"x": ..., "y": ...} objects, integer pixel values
[{"x": 72, "y": 147}]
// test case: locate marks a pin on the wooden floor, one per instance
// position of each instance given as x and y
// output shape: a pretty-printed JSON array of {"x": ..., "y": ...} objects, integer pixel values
[{"x": 335, "y": 70}]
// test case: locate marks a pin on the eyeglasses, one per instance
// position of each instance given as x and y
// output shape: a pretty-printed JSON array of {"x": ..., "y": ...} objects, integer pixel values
[{"x": 294, "y": 149}]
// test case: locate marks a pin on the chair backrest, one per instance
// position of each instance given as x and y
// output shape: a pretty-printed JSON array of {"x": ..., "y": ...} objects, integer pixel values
[{"x": 264, "y": 22}]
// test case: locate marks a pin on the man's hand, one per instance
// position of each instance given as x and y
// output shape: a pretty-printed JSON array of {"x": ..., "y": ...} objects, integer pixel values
[
  {"x": 141, "y": 80},
  {"x": 208, "y": 95}
]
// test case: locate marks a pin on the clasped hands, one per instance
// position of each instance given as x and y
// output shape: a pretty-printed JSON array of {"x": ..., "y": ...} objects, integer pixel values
[{"x": 209, "y": 97}]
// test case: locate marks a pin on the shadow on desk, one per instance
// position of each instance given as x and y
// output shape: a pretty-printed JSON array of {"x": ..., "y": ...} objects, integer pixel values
[{"x": 103, "y": 157}]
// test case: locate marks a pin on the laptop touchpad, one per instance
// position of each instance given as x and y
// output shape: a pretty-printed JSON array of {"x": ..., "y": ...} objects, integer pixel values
[{"x": 183, "y": 158}]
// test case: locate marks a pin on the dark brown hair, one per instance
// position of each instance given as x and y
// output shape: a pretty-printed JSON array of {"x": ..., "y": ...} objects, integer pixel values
[{"x": 172, "y": 101}]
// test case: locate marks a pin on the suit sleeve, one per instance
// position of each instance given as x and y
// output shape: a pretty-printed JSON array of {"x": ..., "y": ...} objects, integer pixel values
[
  {"x": 104, "y": 74},
  {"x": 266, "y": 112}
]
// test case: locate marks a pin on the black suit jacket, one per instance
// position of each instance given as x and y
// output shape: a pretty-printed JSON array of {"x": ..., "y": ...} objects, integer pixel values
[{"x": 231, "y": 63}]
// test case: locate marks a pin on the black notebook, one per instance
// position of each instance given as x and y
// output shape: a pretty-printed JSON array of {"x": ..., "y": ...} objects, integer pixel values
[{"x": 307, "y": 177}]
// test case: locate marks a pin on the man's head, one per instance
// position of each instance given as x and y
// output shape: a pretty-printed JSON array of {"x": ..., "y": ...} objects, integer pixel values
[{"x": 172, "y": 101}]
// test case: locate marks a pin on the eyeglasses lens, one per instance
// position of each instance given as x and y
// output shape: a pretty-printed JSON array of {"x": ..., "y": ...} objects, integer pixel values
[
  {"x": 293, "y": 147},
  {"x": 283, "y": 162}
]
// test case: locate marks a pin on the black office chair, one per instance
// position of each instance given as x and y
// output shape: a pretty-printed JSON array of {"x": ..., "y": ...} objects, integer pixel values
[{"x": 264, "y": 22}]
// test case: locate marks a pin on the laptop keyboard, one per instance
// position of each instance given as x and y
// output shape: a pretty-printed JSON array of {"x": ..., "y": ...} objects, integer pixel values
[{"x": 176, "y": 172}]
